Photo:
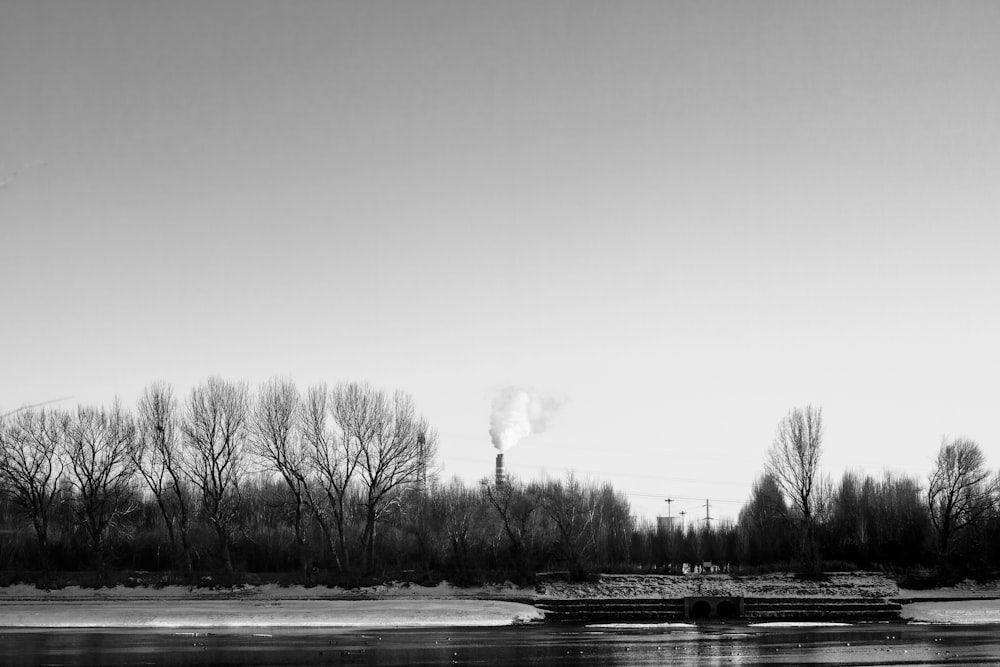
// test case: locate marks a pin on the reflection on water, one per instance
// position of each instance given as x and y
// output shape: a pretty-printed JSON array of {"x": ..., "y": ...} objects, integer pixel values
[{"x": 536, "y": 645}]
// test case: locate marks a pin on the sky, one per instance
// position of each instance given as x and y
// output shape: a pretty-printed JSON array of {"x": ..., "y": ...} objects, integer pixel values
[{"x": 680, "y": 220}]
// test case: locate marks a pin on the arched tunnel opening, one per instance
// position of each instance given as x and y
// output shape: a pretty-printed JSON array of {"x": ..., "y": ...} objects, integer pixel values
[
  {"x": 711, "y": 606},
  {"x": 727, "y": 609},
  {"x": 701, "y": 609}
]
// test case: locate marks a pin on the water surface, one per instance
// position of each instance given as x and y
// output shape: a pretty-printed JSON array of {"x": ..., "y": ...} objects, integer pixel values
[{"x": 550, "y": 644}]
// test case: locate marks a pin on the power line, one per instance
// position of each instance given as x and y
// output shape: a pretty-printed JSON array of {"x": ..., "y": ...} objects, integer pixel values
[
  {"x": 657, "y": 478},
  {"x": 658, "y": 496},
  {"x": 35, "y": 405},
  {"x": 655, "y": 496}
]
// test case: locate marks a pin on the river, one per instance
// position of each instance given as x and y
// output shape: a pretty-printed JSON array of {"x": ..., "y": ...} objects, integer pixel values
[{"x": 547, "y": 644}]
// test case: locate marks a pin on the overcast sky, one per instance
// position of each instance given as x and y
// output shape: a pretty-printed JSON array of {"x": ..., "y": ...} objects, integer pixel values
[{"x": 681, "y": 218}]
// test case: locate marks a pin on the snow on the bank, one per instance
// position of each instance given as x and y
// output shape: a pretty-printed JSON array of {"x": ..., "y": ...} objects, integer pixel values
[
  {"x": 799, "y": 624},
  {"x": 125, "y": 613},
  {"x": 964, "y": 612},
  {"x": 638, "y": 626},
  {"x": 964, "y": 589}
]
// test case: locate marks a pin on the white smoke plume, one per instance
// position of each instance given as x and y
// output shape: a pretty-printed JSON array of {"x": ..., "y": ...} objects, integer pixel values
[{"x": 518, "y": 413}]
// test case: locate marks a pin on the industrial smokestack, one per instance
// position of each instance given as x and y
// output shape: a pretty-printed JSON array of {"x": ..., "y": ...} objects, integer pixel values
[{"x": 501, "y": 478}]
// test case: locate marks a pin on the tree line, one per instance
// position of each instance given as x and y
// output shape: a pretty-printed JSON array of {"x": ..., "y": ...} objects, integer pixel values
[
  {"x": 952, "y": 523},
  {"x": 337, "y": 481},
  {"x": 334, "y": 483},
  {"x": 333, "y": 461}
]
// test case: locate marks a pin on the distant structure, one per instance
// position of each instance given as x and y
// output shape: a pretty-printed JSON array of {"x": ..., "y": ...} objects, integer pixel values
[
  {"x": 501, "y": 475},
  {"x": 666, "y": 524},
  {"x": 422, "y": 454}
]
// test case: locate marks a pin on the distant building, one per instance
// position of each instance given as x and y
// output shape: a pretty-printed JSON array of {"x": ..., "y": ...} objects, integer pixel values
[{"x": 665, "y": 524}]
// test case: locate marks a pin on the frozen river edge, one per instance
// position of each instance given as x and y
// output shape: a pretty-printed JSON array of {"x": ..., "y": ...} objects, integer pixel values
[
  {"x": 174, "y": 613},
  {"x": 403, "y": 605},
  {"x": 131, "y": 613}
]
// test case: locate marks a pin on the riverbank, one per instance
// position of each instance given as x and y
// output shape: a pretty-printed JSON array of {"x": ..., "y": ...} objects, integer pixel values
[
  {"x": 953, "y": 612},
  {"x": 965, "y": 603},
  {"x": 173, "y": 613},
  {"x": 268, "y": 605},
  {"x": 964, "y": 590},
  {"x": 851, "y": 585},
  {"x": 401, "y": 604}
]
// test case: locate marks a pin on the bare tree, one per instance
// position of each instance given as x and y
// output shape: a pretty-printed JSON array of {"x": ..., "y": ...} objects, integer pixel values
[
  {"x": 158, "y": 456},
  {"x": 461, "y": 511},
  {"x": 960, "y": 492},
  {"x": 614, "y": 525},
  {"x": 333, "y": 458},
  {"x": 31, "y": 468},
  {"x": 573, "y": 512},
  {"x": 215, "y": 428},
  {"x": 901, "y": 521},
  {"x": 763, "y": 522},
  {"x": 850, "y": 527},
  {"x": 276, "y": 440},
  {"x": 423, "y": 518},
  {"x": 394, "y": 447},
  {"x": 517, "y": 506},
  {"x": 793, "y": 461},
  {"x": 101, "y": 473}
]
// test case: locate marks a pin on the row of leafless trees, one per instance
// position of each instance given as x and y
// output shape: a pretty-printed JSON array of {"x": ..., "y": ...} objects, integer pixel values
[
  {"x": 344, "y": 478},
  {"x": 82, "y": 459},
  {"x": 340, "y": 454},
  {"x": 961, "y": 498},
  {"x": 519, "y": 527},
  {"x": 864, "y": 520}
]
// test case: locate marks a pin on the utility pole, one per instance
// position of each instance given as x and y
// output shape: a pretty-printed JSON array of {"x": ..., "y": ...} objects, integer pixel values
[
  {"x": 708, "y": 518},
  {"x": 670, "y": 518},
  {"x": 682, "y": 520}
]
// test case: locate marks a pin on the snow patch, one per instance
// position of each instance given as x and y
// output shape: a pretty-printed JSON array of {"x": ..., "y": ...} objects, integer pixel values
[
  {"x": 963, "y": 612},
  {"x": 799, "y": 624},
  {"x": 276, "y": 613},
  {"x": 631, "y": 626}
]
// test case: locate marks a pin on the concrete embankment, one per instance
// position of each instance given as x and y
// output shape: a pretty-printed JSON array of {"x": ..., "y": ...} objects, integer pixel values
[
  {"x": 753, "y": 609},
  {"x": 854, "y": 597}
]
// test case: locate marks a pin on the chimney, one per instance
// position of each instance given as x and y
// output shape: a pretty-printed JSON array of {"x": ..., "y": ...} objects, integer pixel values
[{"x": 501, "y": 478}]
